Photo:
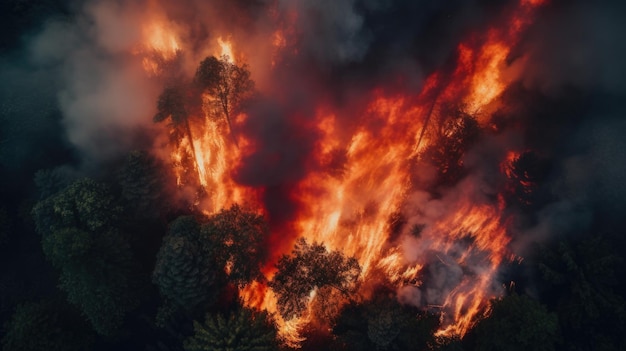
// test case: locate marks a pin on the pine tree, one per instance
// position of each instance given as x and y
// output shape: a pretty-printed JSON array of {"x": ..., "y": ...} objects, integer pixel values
[
  {"x": 185, "y": 272},
  {"x": 144, "y": 186}
]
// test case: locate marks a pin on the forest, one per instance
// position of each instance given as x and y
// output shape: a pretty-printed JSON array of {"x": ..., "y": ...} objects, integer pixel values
[{"x": 350, "y": 186}]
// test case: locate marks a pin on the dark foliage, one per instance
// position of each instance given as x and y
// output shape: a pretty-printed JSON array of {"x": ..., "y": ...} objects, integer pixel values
[
  {"x": 384, "y": 324},
  {"x": 96, "y": 273},
  {"x": 81, "y": 239},
  {"x": 517, "y": 323},
  {"x": 579, "y": 282},
  {"x": 85, "y": 204},
  {"x": 239, "y": 238},
  {"x": 46, "y": 325},
  {"x": 243, "y": 329},
  {"x": 454, "y": 132},
  {"x": 144, "y": 186},
  {"x": 310, "y": 267},
  {"x": 186, "y": 271}
]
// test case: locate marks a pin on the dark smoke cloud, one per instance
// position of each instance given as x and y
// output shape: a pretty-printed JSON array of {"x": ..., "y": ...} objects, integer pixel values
[
  {"x": 575, "y": 64},
  {"x": 580, "y": 45}
]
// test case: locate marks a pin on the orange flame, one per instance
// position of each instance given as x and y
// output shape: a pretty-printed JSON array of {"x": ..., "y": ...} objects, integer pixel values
[
  {"x": 160, "y": 40},
  {"x": 226, "y": 48}
]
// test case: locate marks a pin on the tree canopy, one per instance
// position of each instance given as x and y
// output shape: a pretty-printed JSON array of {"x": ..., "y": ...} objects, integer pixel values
[
  {"x": 144, "y": 185},
  {"x": 579, "y": 282},
  {"x": 382, "y": 323},
  {"x": 243, "y": 330},
  {"x": 186, "y": 271},
  {"x": 310, "y": 267},
  {"x": 45, "y": 325},
  {"x": 82, "y": 239},
  {"x": 228, "y": 84},
  {"x": 84, "y": 204},
  {"x": 239, "y": 239}
]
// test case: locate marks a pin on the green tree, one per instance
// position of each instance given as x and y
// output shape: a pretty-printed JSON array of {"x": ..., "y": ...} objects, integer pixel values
[
  {"x": 242, "y": 330},
  {"x": 85, "y": 204},
  {"x": 239, "y": 237},
  {"x": 517, "y": 323},
  {"x": 80, "y": 237},
  {"x": 229, "y": 85},
  {"x": 45, "y": 325},
  {"x": 186, "y": 272},
  {"x": 311, "y": 267},
  {"x": 144, "y": 185},
  {"x": 96, "y": 274}
]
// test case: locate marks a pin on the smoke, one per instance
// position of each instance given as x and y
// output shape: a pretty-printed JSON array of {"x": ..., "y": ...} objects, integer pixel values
[
  {"x": 575, "y": 64},
  {"x": 105, "y": 95},
  {"x": 331, "y": 32},
  {"x": 577, "y": 45}
]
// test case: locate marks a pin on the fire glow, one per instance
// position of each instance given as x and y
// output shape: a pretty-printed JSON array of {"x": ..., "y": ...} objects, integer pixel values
[{"x": 363, "y": 177}]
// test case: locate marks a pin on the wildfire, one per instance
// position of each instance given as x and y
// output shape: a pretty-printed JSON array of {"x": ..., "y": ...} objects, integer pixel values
[{"x": 365, "y": 176}]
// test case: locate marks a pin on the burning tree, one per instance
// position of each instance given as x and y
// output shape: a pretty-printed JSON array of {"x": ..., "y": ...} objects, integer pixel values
[
  {"x": 310, "y": 268},
  {"x": 227, "y": 84},
  {"x": 454, "y": 131},
  {"x": 238, "y": 239},
  {"x": 174, "y": 104}
]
